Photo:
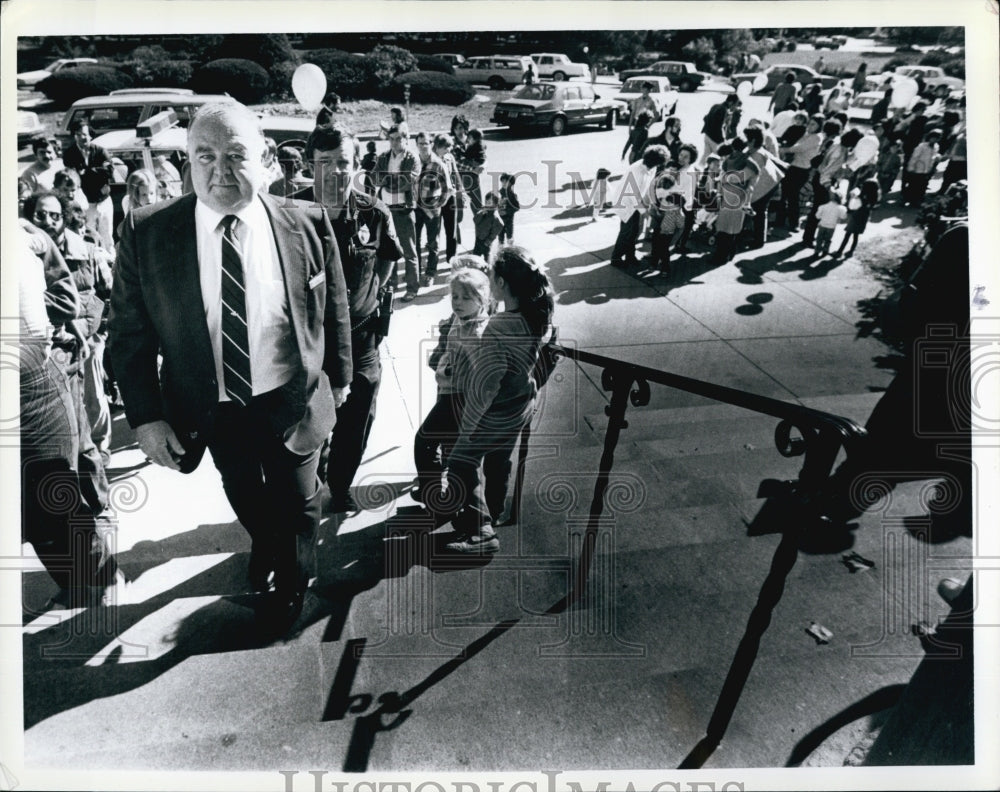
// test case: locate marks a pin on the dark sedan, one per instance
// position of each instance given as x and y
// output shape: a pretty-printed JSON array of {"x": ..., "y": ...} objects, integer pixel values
[
  {"x": 776, "y": 74},
  {"x": 556, "y": 106},
  {"x": 682, "y": 75}
]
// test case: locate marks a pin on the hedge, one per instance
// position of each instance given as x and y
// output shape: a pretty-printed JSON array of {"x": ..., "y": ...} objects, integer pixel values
[
  {"x": 430, "y": 88},
  {"x": 160, "y": 73},
  {"x": 65, "y": 87},
  {"x": 244, "y": 80},
  {"x": 433, "y": 64},
  {"x": 350, "y": 76}
]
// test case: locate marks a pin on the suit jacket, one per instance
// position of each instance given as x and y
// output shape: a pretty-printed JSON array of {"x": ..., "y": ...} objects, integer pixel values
[
  {"x": 402, "y": 182},
  {"x": 157, "y": 308}
]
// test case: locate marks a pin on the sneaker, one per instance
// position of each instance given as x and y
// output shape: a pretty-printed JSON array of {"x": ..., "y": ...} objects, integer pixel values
[
  {"x": 408, "y": 297},
  {"x": 476, "y": 543}
]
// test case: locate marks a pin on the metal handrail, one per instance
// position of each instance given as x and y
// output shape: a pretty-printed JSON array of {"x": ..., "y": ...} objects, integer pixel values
[{"x": 821, "y": 435}]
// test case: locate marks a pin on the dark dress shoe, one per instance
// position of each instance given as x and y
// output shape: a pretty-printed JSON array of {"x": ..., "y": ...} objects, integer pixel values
[{"x": 279, "y": 613}]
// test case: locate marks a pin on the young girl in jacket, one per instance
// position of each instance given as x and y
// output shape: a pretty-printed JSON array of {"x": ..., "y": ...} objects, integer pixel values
[
  {"x": 472, "y": 304},
  {"x": 500, "y": 398}
]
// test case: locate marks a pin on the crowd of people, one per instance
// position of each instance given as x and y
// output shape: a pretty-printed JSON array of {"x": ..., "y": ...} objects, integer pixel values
[
  {"x": 238, "y": 304},
  {"x": 244, "y": 317},
  {"x": 802, "y": 167}
]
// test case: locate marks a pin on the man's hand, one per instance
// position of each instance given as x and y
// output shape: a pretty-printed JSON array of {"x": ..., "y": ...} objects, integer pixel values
[
  {"x": 159, "y": 443},
  {"x": 340, "y": 395}
]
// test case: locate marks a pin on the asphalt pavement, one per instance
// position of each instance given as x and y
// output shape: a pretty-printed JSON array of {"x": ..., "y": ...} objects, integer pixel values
[{"x": 407, "y": 661}]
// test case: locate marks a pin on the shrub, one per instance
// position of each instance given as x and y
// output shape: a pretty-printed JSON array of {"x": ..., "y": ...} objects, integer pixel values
[
  {"x": 892, "y": 63},
  {"x": 65, "y": 87},
  {"x": 160, "y": 73},
  {"x": 430, "y": 63},
  {"x": 701, "y": 52},
  {"x": 350, "y": 76},
  {"x": 281, "y": 79},
  {"x": 954, "y": 67},
  {"x": 267, "y": 49},
  {"x": 390, "y": 61},
  {"x": 427, "y": 87},
  {"x": 244, "y": 80}
]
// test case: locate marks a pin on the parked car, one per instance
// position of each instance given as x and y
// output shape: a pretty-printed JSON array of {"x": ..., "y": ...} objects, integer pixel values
[
  {"x": 825, "y": 42},
  {"x": 933, "y": 77},
  {"x": 124, "y": 110},
  {"x": 860, "y": 108},
  {"x": 556, "y": 107},
  {"x": 496, "y": 71},
  {"x": 662, "y": 93},
  {"x": 558, "y": 67},
  {"x": 776, "y": 74},
  {"x": 454, "y": 58},
  {"x": 28, "y": 126},
  {"x": 32, "y": 78},
  {"x": 682, "y": 74}
]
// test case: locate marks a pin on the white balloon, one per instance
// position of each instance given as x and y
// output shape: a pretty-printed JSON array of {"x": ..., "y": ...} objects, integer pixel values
[
  {"x": 309, "y": 86},
  {"x": 866, "y": 149},
  {"x": 744, "y": 89},
  {"x": 903, "y": 91},
  {"x": 760, "y": 82}
]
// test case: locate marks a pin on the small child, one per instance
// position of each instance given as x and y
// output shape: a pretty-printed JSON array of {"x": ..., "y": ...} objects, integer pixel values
[
  {"x": 706, "y": 197},
  {"x": 488, "y": 225},
  {"x": 368, "y": 167},
  {"x": 828, "y": 216},
  {"x": 669, "y": 221},
  {"x": 472, "y": 304},
  {"x": 859, "y": 208},
  {"x": 509, "y": 205},
  {"x": 920, "y": 168},
  {"x": 890, "y": 160}
]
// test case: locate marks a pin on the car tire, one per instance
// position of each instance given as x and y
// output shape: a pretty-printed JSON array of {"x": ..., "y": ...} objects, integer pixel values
[
  {"x": 497, "y": 83},
  {"x": 611, "y": 121},
  {"x": 558, "y": 76},
  {"x": 558, "y": 126},
  {"x": 686, "y": 85}
]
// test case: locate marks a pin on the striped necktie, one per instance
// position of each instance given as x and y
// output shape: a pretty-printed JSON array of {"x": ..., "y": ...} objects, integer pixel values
[{"x": 235, "y": 339}]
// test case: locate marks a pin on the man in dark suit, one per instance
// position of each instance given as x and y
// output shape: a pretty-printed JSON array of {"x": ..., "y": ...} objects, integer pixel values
[{"x": 244, "y": 299}]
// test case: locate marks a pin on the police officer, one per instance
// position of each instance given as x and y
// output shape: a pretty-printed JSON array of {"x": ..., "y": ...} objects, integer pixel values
[{"x": 369, "y": 250}]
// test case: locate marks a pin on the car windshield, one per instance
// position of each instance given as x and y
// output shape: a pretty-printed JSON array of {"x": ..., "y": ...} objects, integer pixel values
[
  {"x": 54, "y": 66},
  {"x": 535, "y": 92},
  {"x": 635, "y": 86}
]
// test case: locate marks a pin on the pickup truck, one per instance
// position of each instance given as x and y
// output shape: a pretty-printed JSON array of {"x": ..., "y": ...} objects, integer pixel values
[
  {"x": 682, "y": 75},
  {"x": 558, "y": 67}
]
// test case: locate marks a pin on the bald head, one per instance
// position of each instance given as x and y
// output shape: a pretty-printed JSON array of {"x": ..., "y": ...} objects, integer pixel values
[{"x": 226, "y": 148}]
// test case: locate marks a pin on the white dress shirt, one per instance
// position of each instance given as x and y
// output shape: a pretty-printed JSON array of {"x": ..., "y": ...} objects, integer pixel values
[
  {"x": 273, "y": 353},
  {"x": 635, "y": 192}
]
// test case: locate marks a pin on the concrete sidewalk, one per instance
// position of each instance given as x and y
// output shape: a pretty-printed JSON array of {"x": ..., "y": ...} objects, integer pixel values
[{"x": 407, "y": 659}]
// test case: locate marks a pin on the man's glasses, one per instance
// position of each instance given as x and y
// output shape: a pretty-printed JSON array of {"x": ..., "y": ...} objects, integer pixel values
[{"x": 41, "y": 215}]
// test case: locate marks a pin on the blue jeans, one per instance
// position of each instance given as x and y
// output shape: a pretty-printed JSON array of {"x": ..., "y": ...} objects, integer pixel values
[
  {"x": 403, "y": 222},
  {"x": 433, "y": 225}
]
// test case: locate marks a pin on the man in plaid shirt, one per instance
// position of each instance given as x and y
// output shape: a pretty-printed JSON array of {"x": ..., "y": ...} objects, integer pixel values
[
  {"x": 396, "y": 185},
  {"x": 434, "y": 189}
]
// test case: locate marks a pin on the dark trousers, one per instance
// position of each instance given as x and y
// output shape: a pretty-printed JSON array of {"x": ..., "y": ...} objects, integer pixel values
[
  {"x": 449, "y": 222},
  {"x": 56, "y": 516},
  {"x": 432, "y": 225},
  {"x": 916, "y": 188},
  {"x": 274, "y": 492},
  {"x": 821, "y": 194},
  {"x": 432, "y": 444},
  {"x": 953, "y": 172},
  {"x": 760, "y": 216},
  {"x": 508, "y": 228},
  {"x": 356, "y": 415},
  {"x": 789, "y": 210},
  {"x": 472, "y": 188},
  {"x": 628, "y": 235}
]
